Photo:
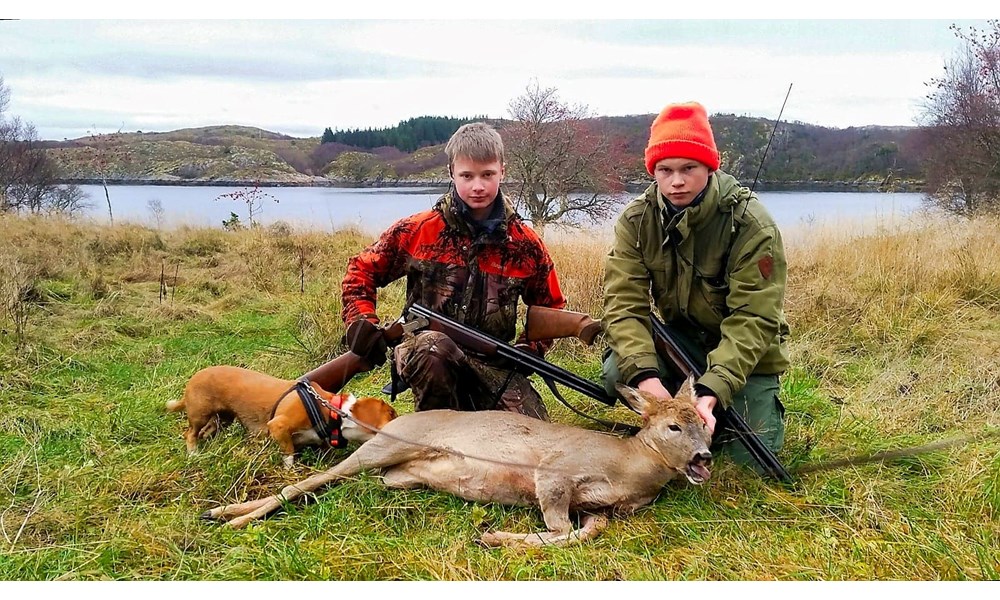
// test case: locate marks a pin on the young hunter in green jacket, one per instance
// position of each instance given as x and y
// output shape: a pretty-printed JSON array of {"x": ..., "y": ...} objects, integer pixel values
[{"x": 710, "y": 257}]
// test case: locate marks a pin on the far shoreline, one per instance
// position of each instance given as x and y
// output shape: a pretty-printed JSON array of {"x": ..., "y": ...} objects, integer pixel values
[{"x": 634, "y": 187}]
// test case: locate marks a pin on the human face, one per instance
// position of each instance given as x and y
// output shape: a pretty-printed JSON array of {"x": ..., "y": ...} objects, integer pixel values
[
  {"x": 477, "y": 184},
  {"x": 680, "y": 180}
]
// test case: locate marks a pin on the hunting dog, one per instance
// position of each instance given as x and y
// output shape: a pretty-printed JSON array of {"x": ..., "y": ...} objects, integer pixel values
[
  {"x": 216, "y": 395},
  {"x": 505, "y": 457}
]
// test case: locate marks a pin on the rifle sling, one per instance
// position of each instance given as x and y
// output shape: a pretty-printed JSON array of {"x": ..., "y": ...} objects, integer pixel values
[{"x": 612, "y": 425}]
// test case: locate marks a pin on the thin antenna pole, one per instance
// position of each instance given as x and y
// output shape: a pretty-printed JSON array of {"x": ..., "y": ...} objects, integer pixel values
[{"x": 766, "y": 148}]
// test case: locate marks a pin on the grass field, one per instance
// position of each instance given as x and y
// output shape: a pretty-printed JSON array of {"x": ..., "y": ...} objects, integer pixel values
[{"x": 896, "y": 338}]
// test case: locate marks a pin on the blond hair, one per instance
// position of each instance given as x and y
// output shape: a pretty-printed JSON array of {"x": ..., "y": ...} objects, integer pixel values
[{"x": 476, "y": 141}]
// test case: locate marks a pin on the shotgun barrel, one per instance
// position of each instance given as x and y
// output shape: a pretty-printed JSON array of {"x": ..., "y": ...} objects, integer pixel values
[
  {"x": 486, "y": 345},
  {"x": 730, "y": 418}
]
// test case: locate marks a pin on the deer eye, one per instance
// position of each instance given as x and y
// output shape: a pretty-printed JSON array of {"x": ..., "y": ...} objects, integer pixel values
[{"x": 674, "y": 427}]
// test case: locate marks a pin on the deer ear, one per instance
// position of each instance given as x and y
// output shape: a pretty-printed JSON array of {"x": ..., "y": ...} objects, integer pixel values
[
  {"x": 687, "y": 390},
  {"x": 636, "y": 399}
]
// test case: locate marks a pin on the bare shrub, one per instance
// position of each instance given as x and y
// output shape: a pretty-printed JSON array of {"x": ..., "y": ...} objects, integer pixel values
[
  {"x": 253, "y": 197},
  {"x": 155, "y": 206},
  {"x": 17, "y": 281},
  {"x": 962, "y": 134}
]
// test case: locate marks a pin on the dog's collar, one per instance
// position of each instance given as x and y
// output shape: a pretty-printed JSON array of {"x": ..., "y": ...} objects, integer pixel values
[{"x": 330, "y": 431}]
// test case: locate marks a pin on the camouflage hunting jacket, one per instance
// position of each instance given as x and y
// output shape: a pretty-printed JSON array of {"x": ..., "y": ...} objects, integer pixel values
[{"x": 472, "y": 275}]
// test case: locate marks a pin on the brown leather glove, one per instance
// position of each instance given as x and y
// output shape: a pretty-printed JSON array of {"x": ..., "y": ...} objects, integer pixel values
[{"x": 366, "y": 339}]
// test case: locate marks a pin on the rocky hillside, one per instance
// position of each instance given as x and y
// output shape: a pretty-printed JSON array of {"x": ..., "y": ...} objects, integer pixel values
[{"x": 801, "y": 154}]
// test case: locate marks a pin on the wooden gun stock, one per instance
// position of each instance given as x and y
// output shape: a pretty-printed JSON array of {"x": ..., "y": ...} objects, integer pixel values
[{"x": 543, "y": 323}]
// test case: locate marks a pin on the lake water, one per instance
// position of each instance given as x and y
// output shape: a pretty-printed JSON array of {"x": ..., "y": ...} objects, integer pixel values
[{"x": 374, "y": 209}]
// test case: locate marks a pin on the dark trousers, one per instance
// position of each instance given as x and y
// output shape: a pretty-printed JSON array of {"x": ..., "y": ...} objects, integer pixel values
[
  {"x": 442, "y": 375},
  {"x": 757, "y": 402}
]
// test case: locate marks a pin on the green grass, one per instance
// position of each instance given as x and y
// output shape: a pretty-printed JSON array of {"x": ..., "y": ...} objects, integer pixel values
[{"x": 95, "y": 482}]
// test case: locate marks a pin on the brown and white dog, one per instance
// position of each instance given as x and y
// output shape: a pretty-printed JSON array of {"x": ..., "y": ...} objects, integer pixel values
[{"x": 216, "y": 395}]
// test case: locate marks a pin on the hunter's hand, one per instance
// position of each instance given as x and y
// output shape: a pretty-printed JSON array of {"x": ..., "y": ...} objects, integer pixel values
[
  {"x": 703, "y": 406},
  {"x": 654, "y": 386}
]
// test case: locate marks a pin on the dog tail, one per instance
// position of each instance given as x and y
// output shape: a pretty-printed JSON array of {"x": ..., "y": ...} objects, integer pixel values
[{"x": 175, "y": 405}]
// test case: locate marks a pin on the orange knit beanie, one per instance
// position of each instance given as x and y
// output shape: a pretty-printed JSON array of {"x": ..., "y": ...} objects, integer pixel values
[{"x": 682, "y": 131}]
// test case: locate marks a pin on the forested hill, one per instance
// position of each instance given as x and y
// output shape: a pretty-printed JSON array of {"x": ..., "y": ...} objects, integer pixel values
[
  {"x": 408, "y": 136},
  {"x": 800, "y": 155}
]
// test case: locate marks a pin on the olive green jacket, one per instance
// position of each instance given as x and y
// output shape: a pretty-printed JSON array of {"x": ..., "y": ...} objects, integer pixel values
[{"x": 715, "y": 273}]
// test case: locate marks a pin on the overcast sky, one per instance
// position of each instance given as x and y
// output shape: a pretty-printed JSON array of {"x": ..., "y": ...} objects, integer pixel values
[{"x": 298, "y": 77}]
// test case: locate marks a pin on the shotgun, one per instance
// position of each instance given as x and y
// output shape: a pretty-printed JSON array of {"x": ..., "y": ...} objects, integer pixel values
[
  {"x": 666, "y": 346},
  {"x": 734, "y": 421},
  {"x": 502, "y": 353},
  {"x": 333, "y": 375}
]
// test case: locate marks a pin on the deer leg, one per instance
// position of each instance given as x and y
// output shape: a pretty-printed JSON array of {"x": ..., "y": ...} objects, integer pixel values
[
  {"x": 554, "y": 498},
  {"x": 229, "y": 511},
  {"x": 591, "y": 526},
  {"x": 376, "y": 453}
]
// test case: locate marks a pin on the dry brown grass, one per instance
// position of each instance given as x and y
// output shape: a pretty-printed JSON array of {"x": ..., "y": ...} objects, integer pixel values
[
  {"x": 579, "y": 259},
  {"x": 895, "y": 339},
  {"x": 902, "y": 325}
]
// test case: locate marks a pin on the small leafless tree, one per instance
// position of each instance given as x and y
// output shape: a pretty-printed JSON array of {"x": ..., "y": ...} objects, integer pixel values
[
  {"x": 27, "y": 175},
  {"x": 109, "y": 156},
  {"x": 65, "y": 199},
  {"x": 962, "y": 126},
  {"x": 253, "y": 197},
  {"x": 563, "y": 167},
  {"x": 155, "y": 206}
]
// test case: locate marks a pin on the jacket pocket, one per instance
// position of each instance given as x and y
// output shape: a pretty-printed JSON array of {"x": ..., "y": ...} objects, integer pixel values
[
  {"x": 713, "y": 294},
  {"x": 658, "y": 279}
]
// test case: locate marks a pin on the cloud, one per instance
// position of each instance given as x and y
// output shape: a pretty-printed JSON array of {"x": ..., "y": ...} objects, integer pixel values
[{"x": 298, "y": 77}]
